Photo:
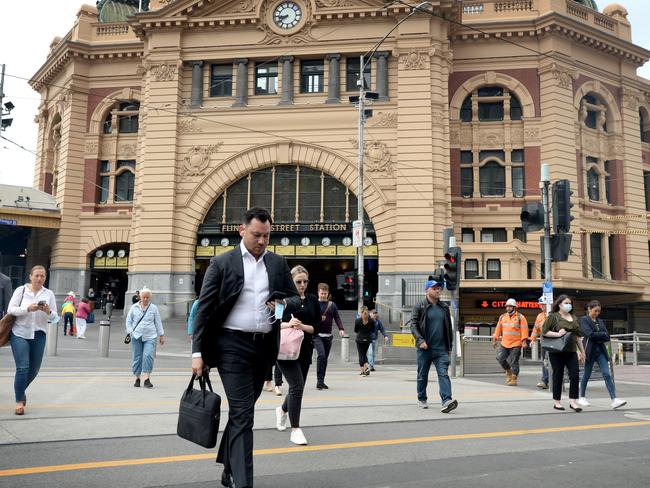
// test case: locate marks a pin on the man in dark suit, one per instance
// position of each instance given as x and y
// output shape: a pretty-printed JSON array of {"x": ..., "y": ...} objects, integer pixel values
[
  {"x": 5, "y": 293},
  {"x": 235, "y": 330}
]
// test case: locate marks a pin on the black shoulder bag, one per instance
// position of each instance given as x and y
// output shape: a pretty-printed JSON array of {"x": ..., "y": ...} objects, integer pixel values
[
  {"x": 127, "y": 338},
  {"x": 557, "y": 344},
  {"x": 199, "y": 413}
]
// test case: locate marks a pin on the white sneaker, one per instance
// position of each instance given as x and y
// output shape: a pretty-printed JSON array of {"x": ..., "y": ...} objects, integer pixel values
[
  {"x": 280, "y": 419},
  {"x": 268, "y": 386},
  {"x": 277, "y": 390},
  {"x": 617, "y": 402},
  {"x": 297, "y": 437},
  {"x": 582, "y": 401}
]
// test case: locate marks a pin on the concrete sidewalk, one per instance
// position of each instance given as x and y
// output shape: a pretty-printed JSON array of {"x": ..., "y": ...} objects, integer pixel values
[{"x": 78, "y": 395}]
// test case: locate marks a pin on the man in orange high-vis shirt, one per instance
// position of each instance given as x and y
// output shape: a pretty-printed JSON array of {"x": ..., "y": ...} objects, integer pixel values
[
  {"x": 537, "y": 332},
  {"x": 512, "y": 329}
]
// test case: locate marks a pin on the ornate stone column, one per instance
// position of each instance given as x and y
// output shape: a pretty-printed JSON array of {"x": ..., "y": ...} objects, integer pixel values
[
  {"x": 197, "y": 84},
  {"x": 334, "y": 81},
  {"x": 241, "y": 96},
  {"x": 382, "y": 75},
  {"x": 287, "y": 80}
]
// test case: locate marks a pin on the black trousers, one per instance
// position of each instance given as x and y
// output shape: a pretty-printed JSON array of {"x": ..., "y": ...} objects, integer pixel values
[
  {"x": 295, "y": 373},
  {"x": 558, "y": 361},
  {"x": 68, "y": 317},
  {"x": 243, "y": 360},
  {"x": 275, "y": 375},
  {"x": 323, "y": 347},
  {"x": 362, "y": 349}
]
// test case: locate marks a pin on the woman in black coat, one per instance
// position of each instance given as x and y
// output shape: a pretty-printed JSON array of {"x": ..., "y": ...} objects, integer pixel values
[
  {"x": 595, "y": 334},
  {"x": 364, "y": 326}
]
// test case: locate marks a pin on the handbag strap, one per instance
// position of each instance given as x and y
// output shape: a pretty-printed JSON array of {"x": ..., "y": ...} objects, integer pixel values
[{"x": 140, "y": 319}]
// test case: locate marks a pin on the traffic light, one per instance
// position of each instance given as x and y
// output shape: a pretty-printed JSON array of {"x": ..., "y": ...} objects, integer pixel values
[
  {"x": 452, "y": 261},
  {"x": 532, "y": 217},
  {"x": 562, "y": 206},
  {"x": 350, "y": 287}
]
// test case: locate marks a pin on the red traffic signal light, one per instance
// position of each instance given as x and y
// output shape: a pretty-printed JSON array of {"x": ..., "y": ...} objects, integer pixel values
[{"x": 452, "y": 276}]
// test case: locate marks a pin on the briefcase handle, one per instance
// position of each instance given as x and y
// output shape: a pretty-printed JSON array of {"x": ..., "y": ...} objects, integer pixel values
[{"x": 204, "y": 380}]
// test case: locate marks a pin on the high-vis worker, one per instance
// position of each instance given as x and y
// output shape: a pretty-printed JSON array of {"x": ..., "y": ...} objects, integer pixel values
[{"x": 512, "y": 330}]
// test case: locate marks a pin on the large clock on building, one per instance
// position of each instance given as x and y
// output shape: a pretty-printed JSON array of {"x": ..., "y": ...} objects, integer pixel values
[{"x": 287, "y": 15}]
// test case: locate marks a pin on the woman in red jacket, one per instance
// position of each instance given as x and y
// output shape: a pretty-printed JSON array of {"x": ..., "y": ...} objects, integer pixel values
[{"x": 83, "y": 310}]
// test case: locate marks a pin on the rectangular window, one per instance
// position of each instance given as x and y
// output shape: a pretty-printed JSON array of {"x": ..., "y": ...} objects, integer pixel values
[
  {"x": 517, "y": 156},
  {"x": 518, "y": 188},
  {"x": 467, "y": 235},
  {"x": 493, "y": 235},
  {"x": 490, "y": 91},
  {"x": 221, "y": 80},
  {"x": 530, "y": 270},
  {"x": 285, "y": 194},
  {"x": 493, "y": 269},
  {"x": 309, "y": 203},
  {"x": 466, "y": 157},
  {"x": 261, "y": 182},
  {"x": 266, "y": 79},
  {"x": 312, "y": 74},
  {"x": 519, "y": 234},
  {"x": 466, "y": 182},
  {"x": 124, "y": 184},
  {"x": 490, "y": 111},
  {"x": 596, "y": 241},
  {"x": 105, "y": 166},
  {"x": 593, "y": 185},
  {"x": 466, "y": 110},
  {"x": 352, "y": 74},
  {"x": 608, "y": 182},
  {"x": 104, "y": 188},
  {"x": 612, "y": 257},
  {"x": 591, "y": 120},
  {"x": 471, "y": 269},
  {"x": 646, "y": 187}
]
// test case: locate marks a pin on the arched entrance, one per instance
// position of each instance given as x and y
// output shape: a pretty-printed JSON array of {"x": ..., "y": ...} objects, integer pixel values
[
  {"x": 312, "y": 226},
  {"x": 109, "y": 266}
]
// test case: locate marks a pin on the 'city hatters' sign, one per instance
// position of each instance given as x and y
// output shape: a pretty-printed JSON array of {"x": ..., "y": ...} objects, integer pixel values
[
  {"x": 500, "y": 304},
  {"x": 318, "y": 227}
]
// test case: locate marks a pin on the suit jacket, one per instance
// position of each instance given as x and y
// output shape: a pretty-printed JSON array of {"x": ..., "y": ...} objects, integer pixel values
[
  {"x": 5, "y": 293},
  {"x": 222, "y": 285}
]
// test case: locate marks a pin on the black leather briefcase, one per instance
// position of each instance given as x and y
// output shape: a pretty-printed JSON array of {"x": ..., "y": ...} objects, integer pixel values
[{"x": 199, "y": 412}]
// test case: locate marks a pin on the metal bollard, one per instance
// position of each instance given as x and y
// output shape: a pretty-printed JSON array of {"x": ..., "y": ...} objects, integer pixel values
[
  {"x": 534, "y": 351},
  {"x": 345, "y": 349},
  {"x": 51, "y": 339},
  {"x": 104, "y": 337}
]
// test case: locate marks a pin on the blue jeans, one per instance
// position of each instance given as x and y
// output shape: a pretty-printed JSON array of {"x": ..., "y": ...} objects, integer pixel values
[
  {"x": 441, "y": 360},
  {"x": 544, "y": 368},
  {"x": 142, "y": 352},
  {"x": 371, "y": 352},
  {"x": 603, "y": 364},
  {"x": 28, "y": 355}
]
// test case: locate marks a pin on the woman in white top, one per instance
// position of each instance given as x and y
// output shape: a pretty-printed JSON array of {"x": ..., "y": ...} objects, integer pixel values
[
  {"x": 32, "y": 305},
  {"x": 145, "y": 326}
]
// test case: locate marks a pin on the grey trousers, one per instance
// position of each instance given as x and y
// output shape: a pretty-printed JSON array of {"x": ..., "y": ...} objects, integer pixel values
[{"x": 508, "y": 358}]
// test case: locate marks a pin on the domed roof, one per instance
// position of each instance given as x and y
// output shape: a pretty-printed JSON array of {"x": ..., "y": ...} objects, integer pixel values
[
  {"x": 588, "y": 3},
  {"x": 119, "y": 10},
  {"x": 615, "y": 9}
]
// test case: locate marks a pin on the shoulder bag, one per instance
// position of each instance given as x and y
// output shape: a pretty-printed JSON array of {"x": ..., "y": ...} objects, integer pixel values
[
  {"x": 199, "y": 413},
  {"x": 557, "y": 344},
  {"x": 127, "y": 338},
  {"x": 290, "y": 342},
  {"x": 7, "y": 323}
]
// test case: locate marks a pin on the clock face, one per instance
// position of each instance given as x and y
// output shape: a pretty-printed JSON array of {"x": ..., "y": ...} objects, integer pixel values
[
  {"x": 205, "y": 242},
  {"x": 305, "y": 241},
  {"x": 110, "y": 253},
  {"x": 99, "y": 253},
  {"x": 225, "y": 241},
  {"x": 287, "y": 15},
  {"x": 121, "y": 253},
  {"x": 367, "y": 241},
  {"x": 284, "y": 241},
  {"x": 326, "y": 241},
  {"x": 347, "y": 241}
]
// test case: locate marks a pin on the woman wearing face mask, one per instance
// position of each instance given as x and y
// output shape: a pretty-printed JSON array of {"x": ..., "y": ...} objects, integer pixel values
[
  {"x": 307, "y": 319},
  {"x": 558, "y": 324},
  {"x": 596, "y": 336}
]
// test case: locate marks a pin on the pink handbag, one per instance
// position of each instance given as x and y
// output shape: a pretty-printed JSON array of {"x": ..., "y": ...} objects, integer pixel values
[{"x": 290, "y": 342}]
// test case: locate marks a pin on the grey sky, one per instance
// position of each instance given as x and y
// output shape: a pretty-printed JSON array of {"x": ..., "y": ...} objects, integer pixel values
[{"x": 29, "y": 27}]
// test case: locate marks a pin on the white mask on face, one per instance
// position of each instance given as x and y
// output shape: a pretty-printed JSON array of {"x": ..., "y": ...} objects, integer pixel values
[{"x": 567, "y": 307}]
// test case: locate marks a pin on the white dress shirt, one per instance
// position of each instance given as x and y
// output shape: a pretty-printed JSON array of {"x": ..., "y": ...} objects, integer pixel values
[
  {"x": 250, "y": 313},
  {"x": 27, "y": 323}
]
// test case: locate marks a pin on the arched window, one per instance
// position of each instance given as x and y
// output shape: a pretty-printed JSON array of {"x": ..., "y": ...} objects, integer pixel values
[
  {"x": 127, "y": 117},
  {"x": 124, "y": 184},
  {"x": 492, "y": 178},
  {"x": 292, "y": 194},
  {"x": 593, "y": 112},
  {"x": 108, "y": 124},
  {"x": 490, "y": 104}
]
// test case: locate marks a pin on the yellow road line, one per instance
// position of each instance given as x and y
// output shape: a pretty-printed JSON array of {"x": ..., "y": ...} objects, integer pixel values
[{"x": 315, "y": 448}]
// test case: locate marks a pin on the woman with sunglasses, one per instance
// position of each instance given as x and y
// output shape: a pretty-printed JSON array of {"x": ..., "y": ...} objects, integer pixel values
[{"x": 307, "y": 319}]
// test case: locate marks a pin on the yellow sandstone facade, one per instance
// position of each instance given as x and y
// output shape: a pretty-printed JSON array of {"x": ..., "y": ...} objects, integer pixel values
[{"x": 157, "y": 131}]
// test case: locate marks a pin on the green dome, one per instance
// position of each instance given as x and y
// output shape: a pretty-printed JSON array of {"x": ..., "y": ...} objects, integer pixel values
[
  {"x": 118, "y": 10},
  {"x": 588, "y": 3}
]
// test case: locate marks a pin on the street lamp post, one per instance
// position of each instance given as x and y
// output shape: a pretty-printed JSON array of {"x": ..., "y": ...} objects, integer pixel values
[{"x": 363, "y": 115}]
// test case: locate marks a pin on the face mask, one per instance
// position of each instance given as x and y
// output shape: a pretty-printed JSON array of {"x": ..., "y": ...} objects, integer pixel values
[{"x": 567, "y": 307}]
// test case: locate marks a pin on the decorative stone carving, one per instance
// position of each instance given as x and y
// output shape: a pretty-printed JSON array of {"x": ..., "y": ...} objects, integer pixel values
[
  {"x": 632, "y": 99},
  {"x": 333, "y": 3},
  {"x": 242, "y": 7},
  {"x": 107, "y": 149},
  {"x": 274, "y": 39},
  {"x": 160, "y": 72},
  {"x": 532, "y": 135},
  {"x": 491, "y": 139},
  {"x": 438, "y": 118},
  {"x": 564, "y": 77},
  {"x": 385, "y": 119},
  {"x": 127, "y": 149},
  {"x": 197, "y": 160},
  {"x": 91, "y": 148},
  {"x": 517, "y": 135},
  {"x": 414, "y": 60},
  {"x": 377, "y": 157},
  {"x": 454, "y": 137},
  {"x": 189, "y": 126}
]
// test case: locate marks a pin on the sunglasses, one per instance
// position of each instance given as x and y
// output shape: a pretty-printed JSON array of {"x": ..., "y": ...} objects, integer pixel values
[{"x": 302, "y": 282}]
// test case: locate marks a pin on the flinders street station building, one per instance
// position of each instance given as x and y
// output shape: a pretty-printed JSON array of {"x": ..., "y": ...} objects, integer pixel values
[{"x": 159, "y": 128}]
